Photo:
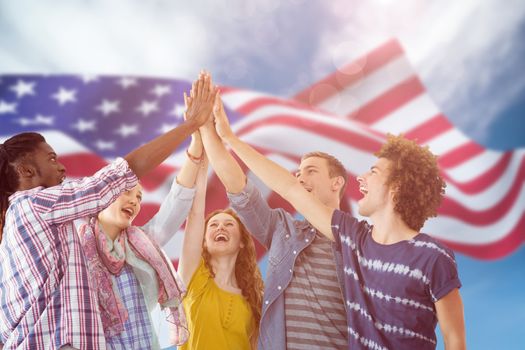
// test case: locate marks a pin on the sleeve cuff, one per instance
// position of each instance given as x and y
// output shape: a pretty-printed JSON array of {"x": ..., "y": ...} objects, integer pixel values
[
  {"x": 447, "y": 288},
  {"x": 181, "y": 192},
  {"x": 242, "y": 198},
  {"x": 119, "y": 168}
]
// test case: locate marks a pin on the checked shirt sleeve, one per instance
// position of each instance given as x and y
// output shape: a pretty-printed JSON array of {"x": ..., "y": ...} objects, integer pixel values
[{"x": 84, "y": 197}]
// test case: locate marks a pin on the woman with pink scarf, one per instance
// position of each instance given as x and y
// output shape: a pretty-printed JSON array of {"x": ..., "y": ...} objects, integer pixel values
[{"x": 130, "y": 272}]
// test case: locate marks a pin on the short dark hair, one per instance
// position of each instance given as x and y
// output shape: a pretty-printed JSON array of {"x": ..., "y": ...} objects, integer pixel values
[
  {"x": 414, "y": 173},
  {"x": 13, "y": 150},
  {"x": 335, "y": 167}
]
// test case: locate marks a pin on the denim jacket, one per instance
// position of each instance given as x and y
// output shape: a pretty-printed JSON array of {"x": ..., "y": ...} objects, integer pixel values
[{"x": 285, "y": 238}]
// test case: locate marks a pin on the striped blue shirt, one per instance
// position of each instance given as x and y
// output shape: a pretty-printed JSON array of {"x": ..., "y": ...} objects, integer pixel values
[{"x": 390, "y": 290}]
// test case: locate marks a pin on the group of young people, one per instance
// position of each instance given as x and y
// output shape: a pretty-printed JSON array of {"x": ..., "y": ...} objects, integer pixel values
[{"x": 76, "y": 274}]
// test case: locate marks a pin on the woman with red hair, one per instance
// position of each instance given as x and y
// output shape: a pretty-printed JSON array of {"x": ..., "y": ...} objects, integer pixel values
[{"x": 224, "y": 285}]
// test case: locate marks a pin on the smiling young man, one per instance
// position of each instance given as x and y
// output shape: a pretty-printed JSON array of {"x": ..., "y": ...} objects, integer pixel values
[
  {"x": 303, "y": 305},
  {"x": 45, "y": 289},
  {"x": 399, "y": 283}
]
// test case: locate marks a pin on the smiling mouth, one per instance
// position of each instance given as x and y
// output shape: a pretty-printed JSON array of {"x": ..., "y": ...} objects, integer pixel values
[
  {"x": 221, "y": 237},
  {"x": 363, "y": 190},
  {"x": 129, "y": 212}
]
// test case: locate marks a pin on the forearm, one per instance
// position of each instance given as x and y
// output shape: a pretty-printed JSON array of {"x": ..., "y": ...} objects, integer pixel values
[
  {"x": 86, "y": 196},
  {"x": 199, "y": 110},
  {"x": 260, "y": 220},
  {"x": 172, "y": 213},
  {"x": 272, "y": 174},
  {"x": 150, "y": 155},
  {"x": 286, "y": 185},
  {"x": 222, "y": 162},
  {"x": 194, "y": 233},
  {"x": 188, "y": 173},
  {"x": 455, "y": 342}
]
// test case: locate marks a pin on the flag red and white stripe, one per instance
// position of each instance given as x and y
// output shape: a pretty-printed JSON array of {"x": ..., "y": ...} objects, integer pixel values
[{"x": 347, "y": 114}]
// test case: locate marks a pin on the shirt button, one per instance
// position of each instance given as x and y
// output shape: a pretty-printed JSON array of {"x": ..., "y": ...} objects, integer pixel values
[
  {"x": 287, "y": 236},
  {"x": 307, "y": 240},
  {"x": 290, "y": 270},
  {"x": 294, "y": 252},
  {"x": 266, "y": 302},
  {"x": 121, "y": 173},
  {"x": 312, "y": 230},
  {"x": 279, "y": 287}
]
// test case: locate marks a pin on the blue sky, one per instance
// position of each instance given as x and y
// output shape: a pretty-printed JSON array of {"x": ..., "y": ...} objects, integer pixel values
[{"x": 470, "y": 55}]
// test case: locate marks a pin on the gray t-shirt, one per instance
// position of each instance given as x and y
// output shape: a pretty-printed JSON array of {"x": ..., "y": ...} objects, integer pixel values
[{"x": 314, "y": 308}]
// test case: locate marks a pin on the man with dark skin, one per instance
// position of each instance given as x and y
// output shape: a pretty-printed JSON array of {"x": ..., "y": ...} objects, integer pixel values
[{"x": 45, "y": 291}]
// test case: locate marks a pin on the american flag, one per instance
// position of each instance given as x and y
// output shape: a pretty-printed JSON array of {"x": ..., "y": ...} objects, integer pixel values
[{"x": 90, "y": 120}]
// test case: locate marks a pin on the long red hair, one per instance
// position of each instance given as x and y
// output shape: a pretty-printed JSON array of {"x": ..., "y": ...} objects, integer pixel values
[{"x": 247, "y": 271}]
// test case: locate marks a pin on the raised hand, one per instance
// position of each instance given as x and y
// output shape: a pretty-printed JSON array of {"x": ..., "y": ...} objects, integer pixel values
[
  {"x": 195, "y": 149},
  {"x": 222, "y": 124},
  {"x": 201, "y": 100}
]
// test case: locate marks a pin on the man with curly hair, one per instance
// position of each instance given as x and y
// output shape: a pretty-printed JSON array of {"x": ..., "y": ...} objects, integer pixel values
[{"x": 399, "y": 283}]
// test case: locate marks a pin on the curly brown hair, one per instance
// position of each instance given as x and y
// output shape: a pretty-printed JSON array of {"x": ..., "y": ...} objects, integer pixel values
[
  {"x": 414, "y": 173},
  {"x": 247, "y": 271}
]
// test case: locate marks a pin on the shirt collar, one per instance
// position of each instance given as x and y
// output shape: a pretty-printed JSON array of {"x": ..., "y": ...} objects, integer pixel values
[{"x": 25, "y": 193}]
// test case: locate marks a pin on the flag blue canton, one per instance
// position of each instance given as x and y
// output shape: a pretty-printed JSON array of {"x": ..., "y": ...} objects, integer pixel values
[{"x": 110, "y": 116}]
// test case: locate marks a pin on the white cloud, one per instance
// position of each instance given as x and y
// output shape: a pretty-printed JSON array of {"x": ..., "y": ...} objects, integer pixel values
[
  {"x": 112, "y": 37},
  {"x": 461, "y": 49},
  {"x": 458, "y": 47}
]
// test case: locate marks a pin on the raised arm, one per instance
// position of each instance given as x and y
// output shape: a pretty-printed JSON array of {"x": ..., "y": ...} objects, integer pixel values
[
  {"x": 278, "y": 179},
  {"x": 222, "y": 162},
  {"x": 192, "y": 243},
  {"x": 195, "y": 153},
  {"x": 150, "y": 155},
  {"x": 177, "y": 204}
]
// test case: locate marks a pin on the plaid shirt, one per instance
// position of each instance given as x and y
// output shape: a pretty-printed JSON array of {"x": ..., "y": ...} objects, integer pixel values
[
  {"x": 45, "y": 292},
  {"x": 138, "y": 330}
]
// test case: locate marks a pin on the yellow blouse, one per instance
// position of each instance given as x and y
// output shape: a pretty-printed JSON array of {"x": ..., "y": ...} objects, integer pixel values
[{"x": 217, "y": 319}]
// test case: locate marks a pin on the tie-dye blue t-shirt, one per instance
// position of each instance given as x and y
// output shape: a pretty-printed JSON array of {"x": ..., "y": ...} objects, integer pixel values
[{"x": 390, "y": 290}]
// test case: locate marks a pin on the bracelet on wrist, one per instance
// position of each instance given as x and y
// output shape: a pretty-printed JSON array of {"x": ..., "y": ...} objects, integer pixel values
[{"x": 194, "y": 159}]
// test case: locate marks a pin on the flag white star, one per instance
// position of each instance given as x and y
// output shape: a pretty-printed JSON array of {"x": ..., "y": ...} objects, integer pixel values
[
  {"x": 23, "y": 121},
  {"x": 161, "y": 90},
  {"x": 23, "y": 88},
  {"x": 6, "y": 107},
  {"x": 42, "y": 119},
  {"x": 178, "y": 110},
  {"x": 38, "y": 120},
  {"x": 88, "y": 78},
  {"x": 127, "y": 82},
  {"x": 107, "y": 107},
  {"x": 126, "y": 130},
  {"x": 148, "y": 107},
  {"x": 64, "y": 96},
  {"x": 104, "y": 145},
  {"x": 166, "y": 127},
  {"x": 84, "y": 125}
]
